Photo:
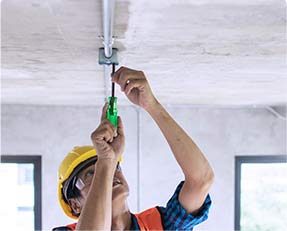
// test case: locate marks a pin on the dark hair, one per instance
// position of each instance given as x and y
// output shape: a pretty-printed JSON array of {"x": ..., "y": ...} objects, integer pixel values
[
  {"x": 69, "y": 189},
  {"x": 72, "y": 192}
]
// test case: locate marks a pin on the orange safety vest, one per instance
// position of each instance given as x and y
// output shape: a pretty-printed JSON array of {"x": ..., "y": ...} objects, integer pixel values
[
  {"x": 72, "y": 226},
  {"x": 149, "y": 219}
]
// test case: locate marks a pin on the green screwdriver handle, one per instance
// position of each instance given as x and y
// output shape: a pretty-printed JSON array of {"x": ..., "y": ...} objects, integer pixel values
[{"x": 112, "y": 112}]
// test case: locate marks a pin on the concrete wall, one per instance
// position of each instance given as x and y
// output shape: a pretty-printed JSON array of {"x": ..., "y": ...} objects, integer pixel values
[{"x": 149, "y": 165}]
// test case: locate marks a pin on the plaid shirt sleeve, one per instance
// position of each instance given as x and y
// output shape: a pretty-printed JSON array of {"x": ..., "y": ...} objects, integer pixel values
[{"x": 175, "y": 217}]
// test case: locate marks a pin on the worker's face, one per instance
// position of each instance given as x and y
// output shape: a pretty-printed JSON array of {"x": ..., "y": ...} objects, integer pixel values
[{"x": 120, "y": 186}]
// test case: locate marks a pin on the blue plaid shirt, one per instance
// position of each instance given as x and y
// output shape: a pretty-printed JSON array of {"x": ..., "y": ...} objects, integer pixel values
[{"x": 175, "y": 217}]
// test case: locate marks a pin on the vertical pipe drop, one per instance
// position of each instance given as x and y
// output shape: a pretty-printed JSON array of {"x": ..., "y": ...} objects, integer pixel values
[{"x": 108, "y": 20}]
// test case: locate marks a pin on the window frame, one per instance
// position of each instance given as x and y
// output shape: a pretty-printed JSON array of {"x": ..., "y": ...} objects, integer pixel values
[
  {"x": 239, "y": 160},
  {"x": 36, "y": 160}
]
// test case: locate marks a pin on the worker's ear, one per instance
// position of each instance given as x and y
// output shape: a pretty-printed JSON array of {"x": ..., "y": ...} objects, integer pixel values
[{"x": 75, "y": 205}]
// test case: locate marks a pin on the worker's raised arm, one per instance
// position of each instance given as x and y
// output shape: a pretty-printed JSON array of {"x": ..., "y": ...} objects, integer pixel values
[
  {"x": 198, "y": 173},
  {"x": 96, "y": 213}
]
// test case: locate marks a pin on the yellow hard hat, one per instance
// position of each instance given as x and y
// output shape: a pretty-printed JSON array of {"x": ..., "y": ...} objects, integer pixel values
[{"x": 78, "y": 156}]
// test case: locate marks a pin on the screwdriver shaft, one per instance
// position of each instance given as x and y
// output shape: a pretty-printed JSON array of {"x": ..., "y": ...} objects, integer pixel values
[{"x": 113, "y": 84}]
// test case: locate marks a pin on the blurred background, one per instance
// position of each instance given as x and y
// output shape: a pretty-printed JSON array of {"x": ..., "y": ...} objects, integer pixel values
[{"x": 218, "y": 67}]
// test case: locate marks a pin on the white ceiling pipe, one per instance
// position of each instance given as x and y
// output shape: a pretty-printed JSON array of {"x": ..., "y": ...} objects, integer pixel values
[{"x": 108, "y": 19}]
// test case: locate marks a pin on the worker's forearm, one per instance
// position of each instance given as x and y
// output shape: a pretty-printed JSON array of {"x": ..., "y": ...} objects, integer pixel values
[
  {"x": 97, "y": 211},
  {"x": 191, "y": 160}
]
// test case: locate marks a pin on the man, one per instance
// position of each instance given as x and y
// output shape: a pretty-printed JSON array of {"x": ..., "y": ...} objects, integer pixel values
[{"x": 93, "y": 188}]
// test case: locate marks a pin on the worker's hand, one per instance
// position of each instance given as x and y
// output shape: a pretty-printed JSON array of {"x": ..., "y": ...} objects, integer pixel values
[
  {"x": 108, "y": 141},
  {"x": 136, "y": 87}
]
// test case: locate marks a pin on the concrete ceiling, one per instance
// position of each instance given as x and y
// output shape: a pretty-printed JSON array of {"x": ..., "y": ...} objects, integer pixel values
[{"x": 211, "y": 52}]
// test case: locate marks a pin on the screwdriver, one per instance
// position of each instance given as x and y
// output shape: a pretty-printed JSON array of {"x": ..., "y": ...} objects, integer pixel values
[{"x": 112, "y": 112}]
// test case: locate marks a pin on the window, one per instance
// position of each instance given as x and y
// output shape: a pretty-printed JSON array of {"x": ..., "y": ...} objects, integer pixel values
[
  {"x": 261, "y": 193},
  {"x": 20, "y": 195}
]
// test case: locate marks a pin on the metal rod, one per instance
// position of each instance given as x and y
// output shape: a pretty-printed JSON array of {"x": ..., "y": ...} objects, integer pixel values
[
  {"x": 108, "y": 18},
  {"x": 113, "y": 84},
  {"x": 107, "y": 81}
]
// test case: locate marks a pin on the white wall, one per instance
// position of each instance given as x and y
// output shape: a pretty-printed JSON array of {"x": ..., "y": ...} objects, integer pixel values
[{"x": 221, "y": 133}]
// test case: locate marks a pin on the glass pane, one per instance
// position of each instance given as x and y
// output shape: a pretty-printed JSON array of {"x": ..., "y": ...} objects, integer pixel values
[
  {"x": 263, "y": 197},
  {"x": 17, "y": 196}
]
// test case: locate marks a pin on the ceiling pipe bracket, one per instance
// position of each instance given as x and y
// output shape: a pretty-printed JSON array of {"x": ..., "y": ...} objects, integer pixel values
[{"x": 103, "y": 60}]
